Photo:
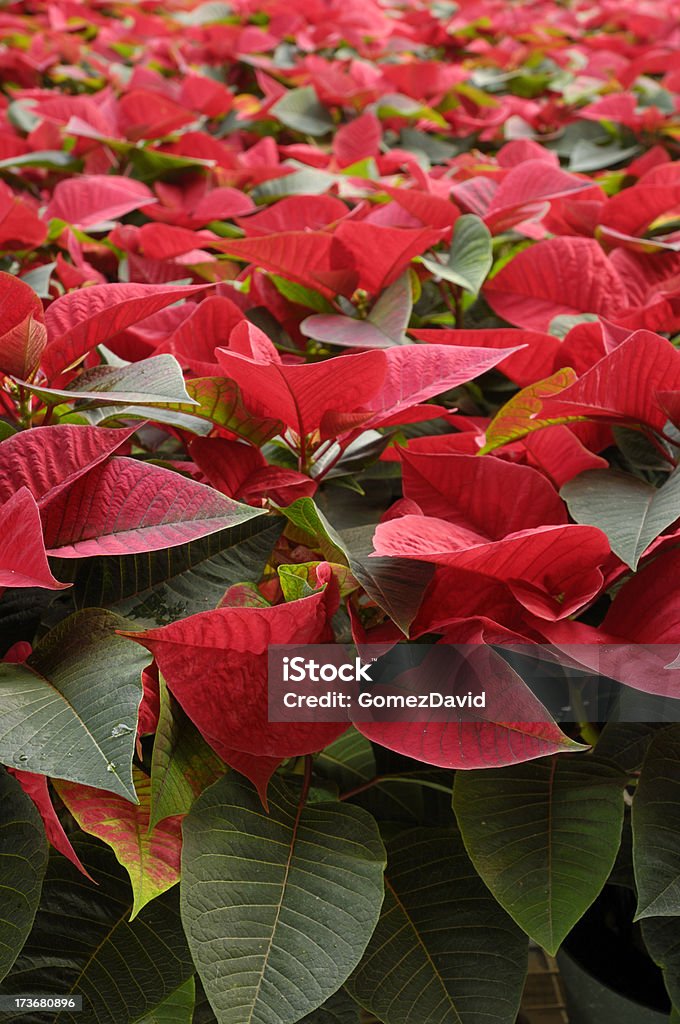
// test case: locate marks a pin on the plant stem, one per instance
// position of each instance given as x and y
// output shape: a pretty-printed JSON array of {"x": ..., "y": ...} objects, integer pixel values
[
  {"x": 589, "y": 732},
  {"x": 306, "y": 780},
  {"x": 395, "y": 778}
]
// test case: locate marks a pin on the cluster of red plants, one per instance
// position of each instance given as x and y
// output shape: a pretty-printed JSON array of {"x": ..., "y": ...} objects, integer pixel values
[{"x": 326, "y": 321}]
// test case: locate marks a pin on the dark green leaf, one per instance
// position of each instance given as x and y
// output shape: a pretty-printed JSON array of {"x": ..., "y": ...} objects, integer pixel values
[
  {"x": 662, "y": 939},
  {"x": 49, "y": 159},
  {"x": 23, "y": 860},
  {"x": 656, "y": 828},
  {"x": 178, "y": 1008},
  {"x": 82, "y": 943},
  {"x": 470, "y": 257},
  {"x": 350, "y": 762},
  {"x": 544, "y": 836},
  {"x": 157, "y": 380},
  {"x": 631, "y": 512},
  {"x": 625, "y": 743},
  {"x": 297, "y": 893},
  {"x": 339, "y": 1009},
  {"x": 71, "y": 710},
  {"x": 182, "y": 764},
  {"x": 444, "y": 951},
  {"x": 162, "y": 586}
]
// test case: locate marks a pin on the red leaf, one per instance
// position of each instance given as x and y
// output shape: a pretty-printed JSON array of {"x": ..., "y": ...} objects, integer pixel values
[
  {"x": 560, "y": 455},
  {"x": 149, "y": 115},
  {"x": 646, "y": 609},
  {"x": 302, "y": 256},
  {"x": 91, "y": 199},
  {"x": 531, "y": 363},
  {"x": 221, "y": 204},
  {"x": 554, "y": 278},
  {"x": 357, "y": 140},
  {"x": 623, "y": 385},
  {"x": 209, "y": 324},
  {"x": 551, "y": 570},
  {"x": 416, "y": 373},
  {"x": 166, "y": 241},
  {"x": 631, "y": 211},
  {"x": 81, "y": 320},
  {"x": 36, "y": 787},
  {"x": 241, "y": 471},
  {"x": 23, "y": 562},
  {"x": 431, "y": 210},
  {"x": 381, "y": 254},
  {"x": 472, "y": 492},
  {"x": 299, "y": 395},
  {"x": 20, "y": 226},
  {"x": 295, "y": 213},
  {"x": 225, "y": 464},
  {"x": 124, "y": 506},
  {"x": 24, "y": 335},
  {"x": 49, "y": 459},
  {"x": 258, "y": 769},
  {"x": 526, "y": 189},
  {"x": 215, "y": 664},
  {"x": 523, "y": 731}
]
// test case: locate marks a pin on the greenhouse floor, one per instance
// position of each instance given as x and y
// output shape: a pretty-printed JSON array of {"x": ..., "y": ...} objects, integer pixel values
[{"x": 543, "y": 1000}]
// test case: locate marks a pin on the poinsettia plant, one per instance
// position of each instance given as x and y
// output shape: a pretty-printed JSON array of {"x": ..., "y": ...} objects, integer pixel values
[{"x": 331, "y": 324}]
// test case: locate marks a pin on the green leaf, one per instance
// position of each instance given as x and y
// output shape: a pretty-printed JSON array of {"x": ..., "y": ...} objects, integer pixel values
[
  {"x": 39, "y": 279},
  {"x": 70, "y": 711},
  {"x": 297, "y": 891},
  {"x": 47, "y": 159},
  {"x": 209, "y": 13},
  {"x": 23, "y": 860},
  {"x": 182, "y": 763},
  {"x": 562, "y": 324},
  {"x": 543, "y": 835},
  {"x": 625, "y": 743},
  {"x": 149, "y": 855},
  {"x": 339, "y": 1009},
  {"x": 630, "y": 511},
  {"x": 309, "y": 181},
  {"x": 300, "y": 579},
  {"x": 178, "y": 1008},
  {"x": 522, "y": 414},
  {"x": 309, "y": 526},
  {"x": 82, "y": 943},
  {"x": 384, "y": 326},
  {"x": 656, "y": 828},
  {"x": 396, "y": 585},
  {"x": 150, "y": 164},
  {"x": 157, "y": 380},
  {"x": 444, "y": 951},
  {"x": 350, "y": 762},
  {"x": 161, "y": 587},
  {"x": 301, "y": 110},
  {"x": 219, "y": 400},
  {"x": 297, "y": 293},
  {"x": 587, "y": 156},
  {"x": 470, "y": 257},
  {"x": 398, "y": 105}
]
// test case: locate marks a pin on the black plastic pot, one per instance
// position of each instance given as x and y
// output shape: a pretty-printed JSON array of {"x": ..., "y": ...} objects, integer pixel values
[
  {"x": 591, "y": 1002},
  {"x": 608, "y": 976}
]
